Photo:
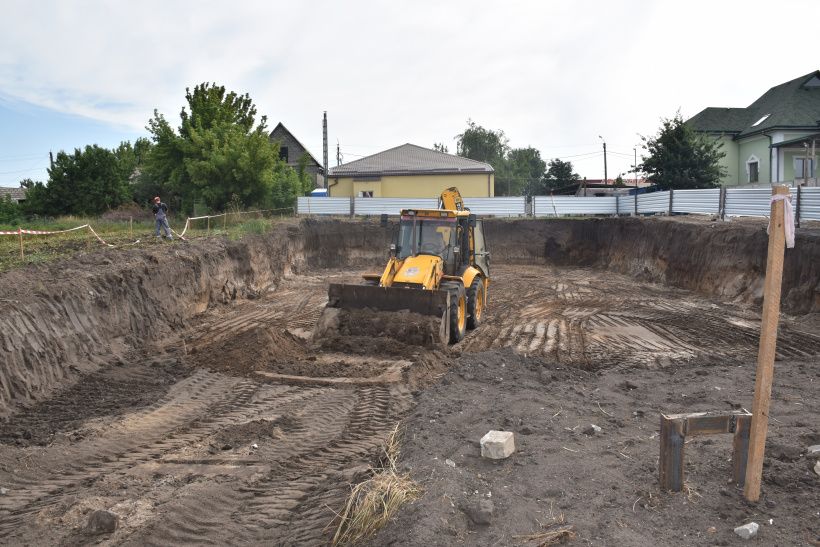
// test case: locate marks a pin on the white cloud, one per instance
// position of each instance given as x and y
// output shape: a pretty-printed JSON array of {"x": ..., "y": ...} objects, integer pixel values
[{"x": 552, "y": 75}]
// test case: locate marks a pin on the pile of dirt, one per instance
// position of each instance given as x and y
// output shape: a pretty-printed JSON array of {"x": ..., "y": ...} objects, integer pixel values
[
  {"x": 373, "y": 331},
  {"x": 603, "y": 482},
  {"x": 258, "y": 348}
]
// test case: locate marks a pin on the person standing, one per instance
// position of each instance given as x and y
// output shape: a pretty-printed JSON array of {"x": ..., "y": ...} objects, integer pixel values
[{"x": 161, "y": 216}]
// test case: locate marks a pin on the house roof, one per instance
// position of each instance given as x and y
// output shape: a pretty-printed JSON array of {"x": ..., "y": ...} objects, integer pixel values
[
  {"x": 15, "y": 193},
  {"x": 794, "y": 105},
  {"x": 292, "y": 136},
  {"x": 409, "y": 159}
]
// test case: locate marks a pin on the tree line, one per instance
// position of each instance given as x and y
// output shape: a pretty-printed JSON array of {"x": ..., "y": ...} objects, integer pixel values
[
  {"x": 219, "y": 155},
  {"x": 677, "y": 157}
]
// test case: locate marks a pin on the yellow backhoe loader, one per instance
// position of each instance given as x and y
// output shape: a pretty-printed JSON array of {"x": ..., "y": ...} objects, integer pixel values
[{"x": 439, "y": 268}]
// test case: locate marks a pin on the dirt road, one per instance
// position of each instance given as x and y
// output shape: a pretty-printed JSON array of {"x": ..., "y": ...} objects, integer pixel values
[{"x": 236, "y": 431}]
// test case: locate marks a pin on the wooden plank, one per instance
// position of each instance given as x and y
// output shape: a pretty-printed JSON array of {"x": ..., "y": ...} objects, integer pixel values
[
  {"x": 740, "y": 449},
  {"x": 709, "y": 425},
  {"x": 766, "y": 350},
  {"x": 671, "y": 456}
]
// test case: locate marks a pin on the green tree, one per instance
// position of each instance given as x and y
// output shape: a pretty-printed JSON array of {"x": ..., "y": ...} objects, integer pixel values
[
  {"x": 218, "y": 152},
  {"x": 679, "y": 157},
  {"x": 619, "y": 181},
  {"x": 10, "y": 211},
  {"x": 88, "y": 182},
  {"x": 480, "y": 144},
  {"x": 559, "y": 174},
  {"x": 523, "y": 169},
  {"x": 440, "y": 147}
]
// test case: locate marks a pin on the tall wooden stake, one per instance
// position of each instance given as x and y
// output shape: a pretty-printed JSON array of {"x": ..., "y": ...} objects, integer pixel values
[
  {"x": 20, "y": 233},
  {"x": 766, "y": 350},
  {"x": 130, "y": 227}
]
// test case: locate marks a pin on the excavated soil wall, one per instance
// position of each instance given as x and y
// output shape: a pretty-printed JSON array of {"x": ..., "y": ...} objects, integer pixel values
[
  {"x": 63, "y": 318},
  {"x": 727, "y": 260}
]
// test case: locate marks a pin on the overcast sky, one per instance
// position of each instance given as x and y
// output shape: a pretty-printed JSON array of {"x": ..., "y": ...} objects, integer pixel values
[{"x": 553, "y": 75}]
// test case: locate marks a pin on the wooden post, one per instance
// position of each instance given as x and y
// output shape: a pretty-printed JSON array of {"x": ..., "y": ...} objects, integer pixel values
[
  {"x": 131, "y": 227},
  {"x": 722, "y": 203},
  {"x": 671, "y": 456},
  {"x": 797, "y": 209},
  {"x": 20, "y": 233},
  {"x": 209, "y": 226},
  {"x": 225, "y": 221},
  {"x": 671, "y": 192},
  {"x": 768, "y": 343}
]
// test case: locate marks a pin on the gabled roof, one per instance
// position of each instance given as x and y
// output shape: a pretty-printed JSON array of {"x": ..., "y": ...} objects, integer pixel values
[
  {"x": 292, "y": 136},
  {"x": 409, "y": 159},
  {"x": 16, "y": 194},
  {"x": 791, "y": 105}
]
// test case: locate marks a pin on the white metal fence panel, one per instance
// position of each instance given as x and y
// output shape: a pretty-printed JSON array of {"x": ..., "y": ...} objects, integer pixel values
[
  {"x": 323, "y": 206},
  {"x": 655, "y": 202},
  {"x": 391, "y": 206},
  {"x": 499, "y": 206},
  {"x": 752, "y": 202},
  {"x": 706, "y": 201},
  {"x": 545, "y": 206},
  {"x": 809, "y": 203}
]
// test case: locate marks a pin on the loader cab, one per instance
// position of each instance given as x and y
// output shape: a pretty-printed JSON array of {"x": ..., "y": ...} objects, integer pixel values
[{"x": 445, "y": 234}]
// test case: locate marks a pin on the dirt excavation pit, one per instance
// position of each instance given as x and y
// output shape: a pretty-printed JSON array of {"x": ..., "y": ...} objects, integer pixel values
[{"x": 189, "y": 399}]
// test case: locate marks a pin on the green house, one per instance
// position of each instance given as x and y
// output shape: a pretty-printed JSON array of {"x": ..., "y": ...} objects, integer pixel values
[{"x": 773, "y": 139}]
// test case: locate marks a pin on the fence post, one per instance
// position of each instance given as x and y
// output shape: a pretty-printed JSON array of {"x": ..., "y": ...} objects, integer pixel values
[
  {"x": 617, "y": 205},
  {"x": 671, "y": 191},
  {"x": 209, "y": 226},
  {"x": 225, "y": 221},
  {"x": 352, "y": 206},
  {"x": 797, "y": 208},
  {"x": 131, "y": 227},
  {"x": 722, "y": 203},
  {"x": 20, "y": 233},
  {"x": 636, "y": 202}
]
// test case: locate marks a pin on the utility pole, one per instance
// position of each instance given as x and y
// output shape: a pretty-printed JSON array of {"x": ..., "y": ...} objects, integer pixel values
[
  {"x": 324, "y": 138},
  {"x": 636, "y": 168},
  {"x": 605, "y": 175},
  {"x": 338, "y": 153}
]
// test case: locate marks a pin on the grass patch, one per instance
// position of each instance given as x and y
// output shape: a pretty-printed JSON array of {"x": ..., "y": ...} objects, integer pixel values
[
  {"x": 139, "y": 232},
  {"x": 373, "y": 503}
]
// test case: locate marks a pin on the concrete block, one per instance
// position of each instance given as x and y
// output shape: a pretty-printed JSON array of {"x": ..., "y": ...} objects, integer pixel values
[
  {"x": 747, "y": 531},
  {"x": 497, "y": 445}
]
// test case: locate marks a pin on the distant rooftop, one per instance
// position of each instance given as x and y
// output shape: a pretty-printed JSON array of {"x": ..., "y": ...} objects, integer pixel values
[
  {"x": 794, "y": 104},
  {"x": 16, "y": 194},
  {"x": 409, "y": 159}
]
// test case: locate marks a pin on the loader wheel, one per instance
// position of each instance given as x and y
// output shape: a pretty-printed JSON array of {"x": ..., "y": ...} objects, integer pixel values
[
  {"x": 475, "y": 303},
  {"x": 458, "y": 311}
]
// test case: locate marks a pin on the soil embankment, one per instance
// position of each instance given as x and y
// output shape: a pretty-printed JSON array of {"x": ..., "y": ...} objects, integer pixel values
[
  {"x": 59, "y": 319},
  {"x": 724, "y": 259}
]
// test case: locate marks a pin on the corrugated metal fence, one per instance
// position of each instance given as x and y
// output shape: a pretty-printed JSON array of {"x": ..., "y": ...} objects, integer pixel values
[{"x": 723, "y": 201}]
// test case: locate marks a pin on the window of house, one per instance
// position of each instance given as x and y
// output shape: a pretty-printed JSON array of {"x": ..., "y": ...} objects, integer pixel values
[
  {"x": 366, "y": 194},
  {"x": 754, "y": 174},
  {"x": 799, "y": 163},
  {"x": 283, "y": 153}
]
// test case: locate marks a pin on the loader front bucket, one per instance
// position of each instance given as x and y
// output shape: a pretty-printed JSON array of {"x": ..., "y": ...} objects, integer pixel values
[{"x": 411, "y": 316}]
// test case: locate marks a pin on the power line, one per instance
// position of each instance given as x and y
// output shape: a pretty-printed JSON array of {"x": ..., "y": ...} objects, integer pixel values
[{"x": 22, "y": 170}]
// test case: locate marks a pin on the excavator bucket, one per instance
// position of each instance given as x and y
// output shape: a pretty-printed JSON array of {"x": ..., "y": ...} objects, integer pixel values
[{"x": 411, "y": 316}]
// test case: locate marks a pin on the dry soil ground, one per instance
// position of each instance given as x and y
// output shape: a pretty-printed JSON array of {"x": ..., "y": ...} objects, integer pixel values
[{"x": 236, "y": 431}]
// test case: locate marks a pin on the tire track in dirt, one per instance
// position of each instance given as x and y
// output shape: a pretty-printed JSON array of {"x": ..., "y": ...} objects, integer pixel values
[
  {"x": 619, "y": 324},
  {"x": 338, "y": 433}
]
